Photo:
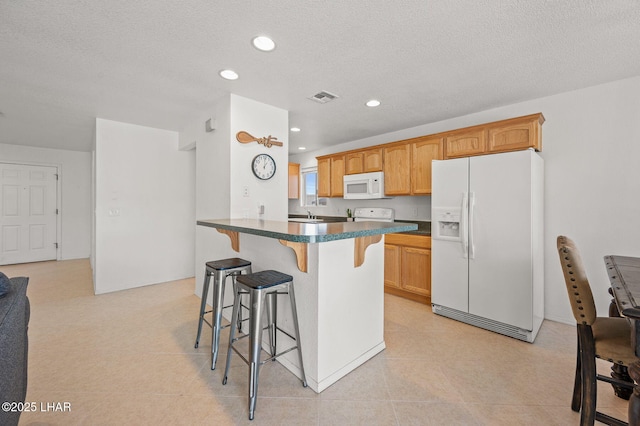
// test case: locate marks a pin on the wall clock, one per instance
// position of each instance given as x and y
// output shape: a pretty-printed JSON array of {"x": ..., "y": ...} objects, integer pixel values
[{"x": 263, "y": 166}]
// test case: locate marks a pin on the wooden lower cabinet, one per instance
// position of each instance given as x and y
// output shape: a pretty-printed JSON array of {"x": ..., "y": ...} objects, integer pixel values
[{"x": 407, "y": 266}]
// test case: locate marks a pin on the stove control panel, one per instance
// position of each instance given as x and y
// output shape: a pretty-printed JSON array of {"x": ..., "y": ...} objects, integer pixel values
[{"x": 375, "y": 213}]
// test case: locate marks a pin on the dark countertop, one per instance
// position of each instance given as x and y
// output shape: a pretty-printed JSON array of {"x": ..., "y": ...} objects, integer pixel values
[
  {"x": 424, "y": 227},
  {"x": 308, "y": 232}
]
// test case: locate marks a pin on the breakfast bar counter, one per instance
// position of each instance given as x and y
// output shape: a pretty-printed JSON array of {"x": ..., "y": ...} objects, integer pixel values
[{"x": 338, "y": 273}]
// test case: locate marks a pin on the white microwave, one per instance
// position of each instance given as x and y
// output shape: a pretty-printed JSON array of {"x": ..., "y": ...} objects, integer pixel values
[{"x": 364, "y": 186}]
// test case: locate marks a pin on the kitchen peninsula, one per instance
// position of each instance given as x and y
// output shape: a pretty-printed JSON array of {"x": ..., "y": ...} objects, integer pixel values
[{"x": 338, "y": 273}]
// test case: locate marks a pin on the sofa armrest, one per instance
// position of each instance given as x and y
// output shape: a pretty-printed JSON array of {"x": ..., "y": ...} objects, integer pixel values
[{"x": 14, "y": 347}]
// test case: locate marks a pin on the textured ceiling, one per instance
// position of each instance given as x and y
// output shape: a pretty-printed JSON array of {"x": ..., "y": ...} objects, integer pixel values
[{"x": 156, "y": 62}]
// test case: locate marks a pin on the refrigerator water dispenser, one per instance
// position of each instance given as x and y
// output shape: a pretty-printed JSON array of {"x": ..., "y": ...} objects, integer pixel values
[{"x": 447, "y": 225}]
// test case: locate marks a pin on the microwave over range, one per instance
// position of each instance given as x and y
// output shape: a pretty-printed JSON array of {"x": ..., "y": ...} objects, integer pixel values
[{"x": 364, "y": 186}]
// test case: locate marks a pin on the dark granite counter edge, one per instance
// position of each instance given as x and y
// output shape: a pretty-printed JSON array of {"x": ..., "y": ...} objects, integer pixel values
[
  {"x": 424, "y": 227},
  {"x": 311, "y": 238}
]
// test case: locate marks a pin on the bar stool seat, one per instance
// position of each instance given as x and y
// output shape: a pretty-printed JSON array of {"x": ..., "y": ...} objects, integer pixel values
[
  {"x": 219, "y": 270},
  {"x": 261, "y": 286}
]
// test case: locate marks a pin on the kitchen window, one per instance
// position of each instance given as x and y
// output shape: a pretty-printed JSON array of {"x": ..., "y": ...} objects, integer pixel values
[{"x": 309, "y": 193}]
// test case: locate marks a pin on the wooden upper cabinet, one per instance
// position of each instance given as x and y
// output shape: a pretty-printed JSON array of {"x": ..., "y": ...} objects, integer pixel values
[
  {"x": 464, "y": 144},
  {"x": 407, "y": 164},
  {"x": 324, "y": 177},
  {"x": 515, "y": 135},
  {"x": 337, "y": 173},
  {"x": 369, "y": 160},
  {"x": 294, "y": 181},
  {"x": 330, "y": 173},
  {"x": 354, "y": 163},
  {"x": 397, "y": 166},
  {"x": 422, "y": 152},
  {"x": 373, "y": 160}
]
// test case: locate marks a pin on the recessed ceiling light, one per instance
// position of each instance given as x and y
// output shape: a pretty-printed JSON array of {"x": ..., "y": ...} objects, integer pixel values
[
  {"x": 229, "y": 74},
  {"x": 373, "y": 103},
  {"x": 295, "y": 129},
  {"x": 263, "y": 43},
  {"x": 302, "y": 148}
]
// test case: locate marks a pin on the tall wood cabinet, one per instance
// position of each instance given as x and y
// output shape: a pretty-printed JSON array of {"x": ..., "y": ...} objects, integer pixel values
[
  {"x": 407, "y": 168},
  {"x": 407, "y": 266},
  {"x": 397, "y": 176},
  {"x": 330, "y": 174},
  {"x": 294, "y": 181},
  {"x": 337, "y": 173},
  {"x": 368, "y": 160},
  {"x": 423, "y": 150},
  {"x": 324, "y": 177}
]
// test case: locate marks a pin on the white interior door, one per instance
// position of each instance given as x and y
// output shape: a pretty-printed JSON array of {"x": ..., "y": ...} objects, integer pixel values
[{"x": 28, "y": 208}]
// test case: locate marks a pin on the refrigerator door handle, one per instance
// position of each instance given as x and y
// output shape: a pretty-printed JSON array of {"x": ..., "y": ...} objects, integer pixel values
[
  {"x": 472, "y": 203},
  {"x": 464, "y": 225}
]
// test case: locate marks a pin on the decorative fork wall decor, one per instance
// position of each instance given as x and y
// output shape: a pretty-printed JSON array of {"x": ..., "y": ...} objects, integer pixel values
[{"x": 268, "y": 141}]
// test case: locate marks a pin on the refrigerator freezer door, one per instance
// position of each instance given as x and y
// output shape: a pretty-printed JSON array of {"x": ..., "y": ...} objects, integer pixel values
[
  {"x": 500, "y": 277},
  {"x": 449, "y": 263}
]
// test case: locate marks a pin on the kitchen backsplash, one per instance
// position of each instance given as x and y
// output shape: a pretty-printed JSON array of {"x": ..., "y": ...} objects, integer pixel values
[{"x": 406, "y": 207}]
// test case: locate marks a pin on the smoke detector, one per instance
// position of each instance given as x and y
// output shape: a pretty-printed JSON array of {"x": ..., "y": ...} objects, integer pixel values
[{"x": 323, "y": 97}]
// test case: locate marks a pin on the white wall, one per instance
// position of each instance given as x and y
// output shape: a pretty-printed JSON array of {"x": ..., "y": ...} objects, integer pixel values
[
  {"x": 213, "y": 176},
  {"x": 406, "y": 208},
  {"x": 223, "y": 169},
  {"x": 260, "y": 120},
  {"x": 74, "y": 168},
  {"x": 591, "y": 146},
  {"x": 145, "y": 207}
]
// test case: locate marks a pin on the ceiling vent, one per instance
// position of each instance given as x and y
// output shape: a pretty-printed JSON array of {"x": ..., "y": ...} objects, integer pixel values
[{"x": 323, "y": 97}]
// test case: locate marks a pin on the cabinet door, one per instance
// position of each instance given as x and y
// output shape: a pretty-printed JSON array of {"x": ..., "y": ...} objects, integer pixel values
[
  {"x": 294, "y": 181},
  {"x": 324, "y": 177},
  {"x": 416, "y": 270},
  {"x": 372, "y": 160},
  {"x": 516, "y": 136},
  {"x": 354, "y": 163},
  {"x": 465, "y": 144},
  {"x": 337, "y": 173},
  {"x": 422, "y": 152},
  {"x": 392, "y": 265},
  {"x": 397, "y": 170}
]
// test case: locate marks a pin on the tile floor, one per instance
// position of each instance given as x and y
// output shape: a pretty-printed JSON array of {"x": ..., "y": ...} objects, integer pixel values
[{"x": 127, "y": 358}]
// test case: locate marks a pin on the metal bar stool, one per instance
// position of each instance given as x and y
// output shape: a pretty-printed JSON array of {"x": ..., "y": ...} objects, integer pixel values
[
  {"x": 219, "y": 270},
  {"x": 261, "y": 286}
]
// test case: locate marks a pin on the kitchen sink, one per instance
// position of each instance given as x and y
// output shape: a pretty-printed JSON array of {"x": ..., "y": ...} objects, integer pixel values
[{"x": 304, "y": 220}]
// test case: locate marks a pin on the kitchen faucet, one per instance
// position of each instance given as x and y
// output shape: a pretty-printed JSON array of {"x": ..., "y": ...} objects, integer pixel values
[{"x": 310, "y": 215}]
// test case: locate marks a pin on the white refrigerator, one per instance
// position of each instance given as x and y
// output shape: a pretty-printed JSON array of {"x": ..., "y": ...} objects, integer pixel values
[{"x": 487, "y": 242}]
